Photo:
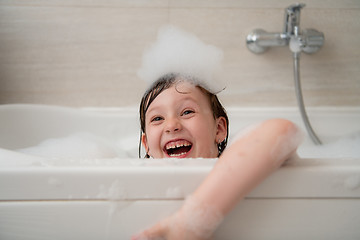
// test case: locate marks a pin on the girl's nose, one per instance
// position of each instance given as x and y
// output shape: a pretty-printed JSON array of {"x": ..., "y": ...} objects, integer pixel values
[{"x": 172, "y": 125}]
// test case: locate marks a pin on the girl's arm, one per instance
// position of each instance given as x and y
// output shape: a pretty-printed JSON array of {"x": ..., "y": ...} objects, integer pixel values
[{"x": 252, "y": 156}]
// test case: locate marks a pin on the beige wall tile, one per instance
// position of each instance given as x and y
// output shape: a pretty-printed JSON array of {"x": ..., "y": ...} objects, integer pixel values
[
  {"x": 262, "y": 3},
  {"x": 74, "y": 56},
  {"x": 59, "y": 52},
  {"x": 89, "y": 3}
]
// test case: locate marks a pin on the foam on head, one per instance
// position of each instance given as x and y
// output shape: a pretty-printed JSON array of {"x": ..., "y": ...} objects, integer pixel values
[{"x": 179, "y": 52}]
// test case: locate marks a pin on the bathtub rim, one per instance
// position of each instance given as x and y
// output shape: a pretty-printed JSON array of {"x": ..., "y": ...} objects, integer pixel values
[{"x": 298, "y": 178}]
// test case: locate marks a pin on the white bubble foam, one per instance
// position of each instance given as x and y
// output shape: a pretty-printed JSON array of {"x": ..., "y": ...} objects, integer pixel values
[
  {"x": 177, "y": 51},
  {"x": 10, "y": 158},
  {"x": 115, "y": 191},
  {"x": 345, "y": 147},
  {"x": 77, "y": 145},
  {"x": 127, "y": 146},
  {"x": 200, "y": 218},
  {"x": 285, "y": 144}
]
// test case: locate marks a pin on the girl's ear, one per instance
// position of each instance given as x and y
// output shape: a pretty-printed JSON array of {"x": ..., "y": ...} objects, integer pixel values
[
  {"x": 221, "y": 129},
  {"x": 144, "y": 142}
]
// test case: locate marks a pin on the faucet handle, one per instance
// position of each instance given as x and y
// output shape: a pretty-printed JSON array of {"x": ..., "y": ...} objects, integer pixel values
[
  {"x": 313, "y": 39},
  {"x": 295, "y": 8},
  {"x": 292, "y": 18}
]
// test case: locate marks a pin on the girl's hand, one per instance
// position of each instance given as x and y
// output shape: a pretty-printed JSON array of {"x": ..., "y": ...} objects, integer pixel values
[
  {"x": 194, "y": 221},
  {"x": 167, "y": 230}
]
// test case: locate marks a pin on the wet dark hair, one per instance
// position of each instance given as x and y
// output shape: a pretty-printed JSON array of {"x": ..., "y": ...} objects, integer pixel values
[{"x": 166, "y": 82}]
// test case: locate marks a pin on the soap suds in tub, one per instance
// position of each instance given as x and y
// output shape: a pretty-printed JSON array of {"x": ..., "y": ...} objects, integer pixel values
[
  {"x": 75, "y": 146},
  {"x": 345, "y": 147}
]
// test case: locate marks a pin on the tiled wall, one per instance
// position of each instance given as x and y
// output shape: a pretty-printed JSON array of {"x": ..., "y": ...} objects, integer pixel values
[{"x": 86, "y": 52}]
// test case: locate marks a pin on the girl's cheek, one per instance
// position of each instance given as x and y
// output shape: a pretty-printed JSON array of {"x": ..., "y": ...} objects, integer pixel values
[{"x": 154, "y": 136}]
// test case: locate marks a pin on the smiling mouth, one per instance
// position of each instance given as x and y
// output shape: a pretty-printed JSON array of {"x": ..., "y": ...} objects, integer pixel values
[{"x": 178, "y": 148}]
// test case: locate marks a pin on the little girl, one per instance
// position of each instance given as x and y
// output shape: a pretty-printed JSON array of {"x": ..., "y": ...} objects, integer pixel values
[{"x": 182, "y": 118}]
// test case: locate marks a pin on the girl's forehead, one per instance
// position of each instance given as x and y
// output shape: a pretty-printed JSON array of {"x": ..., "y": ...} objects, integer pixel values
[
  {"x": 184, "y": 86},
  {"x": 177, "y": 94}
]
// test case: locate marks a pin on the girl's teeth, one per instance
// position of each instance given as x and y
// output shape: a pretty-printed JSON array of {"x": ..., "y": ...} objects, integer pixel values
[
  {"x": 178, "y": 149},
  {"x": 177, "y": 145},
  {"x": 177, "y": 155}
]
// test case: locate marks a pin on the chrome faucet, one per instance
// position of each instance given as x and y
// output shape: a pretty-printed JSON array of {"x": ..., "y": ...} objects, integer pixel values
[{"x": 308, "y": 41}]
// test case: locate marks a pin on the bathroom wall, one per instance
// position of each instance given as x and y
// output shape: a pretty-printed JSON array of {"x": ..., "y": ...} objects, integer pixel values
[{"x": 86, "y": 52}]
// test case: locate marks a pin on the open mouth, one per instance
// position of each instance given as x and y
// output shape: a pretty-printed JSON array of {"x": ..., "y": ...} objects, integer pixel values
[{"x": 178, "y": 148}]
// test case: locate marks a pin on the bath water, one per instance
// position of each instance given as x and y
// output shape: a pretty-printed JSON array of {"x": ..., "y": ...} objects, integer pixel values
[{"x": 86, "y": 146}]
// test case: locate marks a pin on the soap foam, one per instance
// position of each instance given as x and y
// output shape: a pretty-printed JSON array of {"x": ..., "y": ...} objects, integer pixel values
[
  {"x": 286, "y": 143},
  {"x": 345, "y": 147},
  {"x": 89, "y": 147},
  {"x": 76, "y": 146},
  {"x": 200, "y": 218},
  {"x": 179, "y": 52}
]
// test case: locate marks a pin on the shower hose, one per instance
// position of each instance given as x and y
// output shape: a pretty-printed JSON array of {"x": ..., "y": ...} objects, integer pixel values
[{"x": 300, "y": 101}]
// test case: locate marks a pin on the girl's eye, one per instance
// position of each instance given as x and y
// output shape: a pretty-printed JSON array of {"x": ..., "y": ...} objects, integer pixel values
[
  {"x": 187, "y": 112},
  {"x": 156, "y": 119}
]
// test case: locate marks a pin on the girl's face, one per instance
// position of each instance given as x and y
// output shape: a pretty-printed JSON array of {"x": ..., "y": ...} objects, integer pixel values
[{"x": 180, "y": 123}]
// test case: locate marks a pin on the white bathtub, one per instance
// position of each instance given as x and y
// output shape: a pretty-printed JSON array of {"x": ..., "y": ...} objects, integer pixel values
[{"x": 82, "y": 195}]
